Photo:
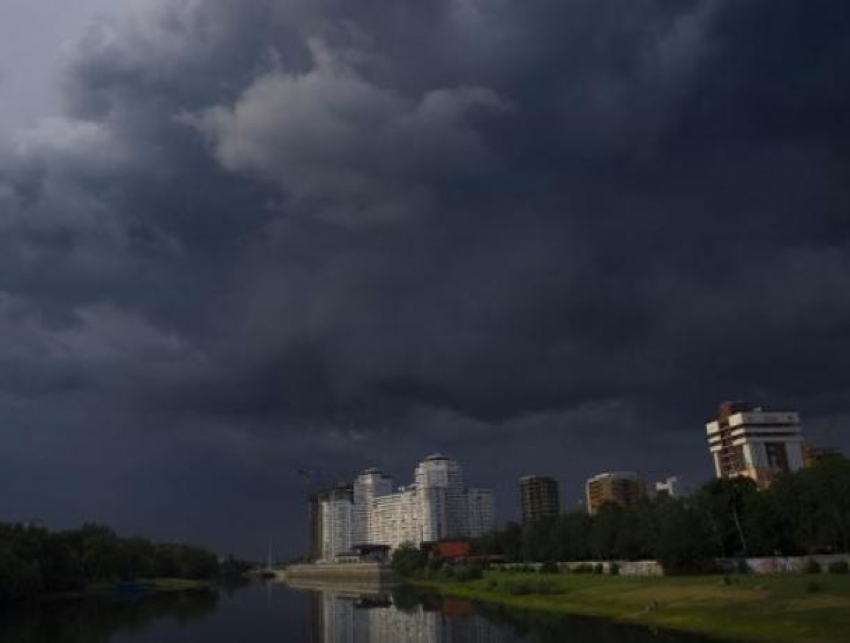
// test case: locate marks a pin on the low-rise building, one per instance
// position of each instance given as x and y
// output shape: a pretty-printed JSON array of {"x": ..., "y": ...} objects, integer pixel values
[
  {"x": 671, "y": 488},
  {"x": 813, "y": 455}
]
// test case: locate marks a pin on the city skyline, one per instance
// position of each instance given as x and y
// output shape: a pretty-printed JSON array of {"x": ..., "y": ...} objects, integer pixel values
[{"x": 239, "y": 239}]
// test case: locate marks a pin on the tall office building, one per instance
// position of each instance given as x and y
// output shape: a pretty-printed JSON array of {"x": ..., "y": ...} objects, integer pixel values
[
  {"x": 539, "y": 498},
  {"x": 748, "y": 441},
  {"x": 623, "y": 488},
  {"x": 369, "y": 485}
]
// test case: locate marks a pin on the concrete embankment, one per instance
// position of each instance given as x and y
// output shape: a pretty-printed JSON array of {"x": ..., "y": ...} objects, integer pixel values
[{"x": 345, "y": 572}]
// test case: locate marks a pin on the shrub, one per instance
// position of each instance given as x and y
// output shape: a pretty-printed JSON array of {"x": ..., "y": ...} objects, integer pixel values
[
  {"x": 839, "y": 567},
  {"x": 598, "y": 568},
  {"x": 547, "y": 586},
  {"x": 584, "y": 568},
  {"x": 408, "y": 560},
  {"x": 549, "y": 567},
  {"x": 468, "y": 573},
  {"x": 18, "y": 579},
  {"x": 812, "y": 567},
  {"x": 813, "y": 587},
  {"x": 518, "y": 588},
  {"x": 614, "y": 569}
]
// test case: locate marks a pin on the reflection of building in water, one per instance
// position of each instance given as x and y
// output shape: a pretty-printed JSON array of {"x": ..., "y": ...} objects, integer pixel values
[
  {"x": 414, "y": 626},
  {"x": 315, "y": 617},
  {"x": 343, "y": 621},
  {"x": 338, "y": 618}
]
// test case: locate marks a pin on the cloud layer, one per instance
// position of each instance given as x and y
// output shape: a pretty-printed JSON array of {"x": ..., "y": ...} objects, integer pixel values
[{"x": 540, "y": 236}]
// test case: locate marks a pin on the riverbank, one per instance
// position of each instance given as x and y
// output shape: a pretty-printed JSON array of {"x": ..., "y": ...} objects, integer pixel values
[
  {"x": 142, "y": 587},
  {"x": 779, "y": 608}
]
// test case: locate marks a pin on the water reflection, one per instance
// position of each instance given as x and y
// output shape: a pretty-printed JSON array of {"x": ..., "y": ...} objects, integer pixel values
[
  {"x": 307, "y": 614},
  {"x": 346, "y": 616},
  {"x": 95, "y": 620},
  {"x": 362, "y": 615}
]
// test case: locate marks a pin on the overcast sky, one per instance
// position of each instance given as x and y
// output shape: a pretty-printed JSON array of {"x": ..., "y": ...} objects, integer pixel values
[{"x": 242, "y": 238}]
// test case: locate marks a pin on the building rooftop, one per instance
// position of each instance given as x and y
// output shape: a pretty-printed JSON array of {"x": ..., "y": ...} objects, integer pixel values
[
  {"x": 535, "y": 476},
  {"x": 615, "y": 474},
  {"x": 373, "y": 472}
]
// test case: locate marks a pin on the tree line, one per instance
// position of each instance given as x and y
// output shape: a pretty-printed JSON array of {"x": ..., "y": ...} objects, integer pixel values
[
  {"x": 801, "y": 513},
  {"x": 34, "y": 560}
]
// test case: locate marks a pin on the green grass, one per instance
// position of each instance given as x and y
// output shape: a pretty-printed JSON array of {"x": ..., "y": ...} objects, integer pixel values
[{"x": 783, "y": 608}]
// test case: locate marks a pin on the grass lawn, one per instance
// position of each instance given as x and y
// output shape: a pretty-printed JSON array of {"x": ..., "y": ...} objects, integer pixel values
[{"x": 752, "y": 608}]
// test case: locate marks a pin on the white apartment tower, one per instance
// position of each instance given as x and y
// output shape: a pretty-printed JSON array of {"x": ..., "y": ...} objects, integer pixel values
[
  {"x": 335, "y": 510},
  {"x": 369, "y": 485},
  {"x": 435, "y": 507},
  {"x": 443, "y": 499},
  {"x": 396, "y": 518},
  {"x": 748, "y": 441}
]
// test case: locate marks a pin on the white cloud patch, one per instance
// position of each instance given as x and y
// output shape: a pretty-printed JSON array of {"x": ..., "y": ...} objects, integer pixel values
[
  {"x": 347, "y": 149},
  {"x": 69, "y": 142}
]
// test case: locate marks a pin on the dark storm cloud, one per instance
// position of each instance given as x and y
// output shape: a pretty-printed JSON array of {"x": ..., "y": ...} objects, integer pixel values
[{"x": 348, "y": 233}]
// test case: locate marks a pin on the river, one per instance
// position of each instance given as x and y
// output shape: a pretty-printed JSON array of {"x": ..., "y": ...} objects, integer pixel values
[{"x": 275, "y": 613}]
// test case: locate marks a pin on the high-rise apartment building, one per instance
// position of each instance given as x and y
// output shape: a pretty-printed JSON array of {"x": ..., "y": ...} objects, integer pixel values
[
  {"x": 623, "y": 488},
  {"x": 481, "y": 509},
  {"x": 369, "y": 485},
  {"x": 749, "y": 441},
  {"x": 539, "y": 498},
  {"x": 314, "y": 528},
  {"x": 335, "y": 507},
  {"x": 437, "y": 506},
  {"x": 439, "y": 482},
  {"x": 396, "y": 518}
]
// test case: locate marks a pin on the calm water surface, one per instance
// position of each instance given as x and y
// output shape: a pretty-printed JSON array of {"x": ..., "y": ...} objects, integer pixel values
[{"x": 275, "y": 613}]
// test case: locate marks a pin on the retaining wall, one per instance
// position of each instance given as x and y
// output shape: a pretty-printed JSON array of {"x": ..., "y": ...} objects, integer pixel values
[
  {"x": 768, "y": 565},
  {"x": 349, "y": 572}
]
